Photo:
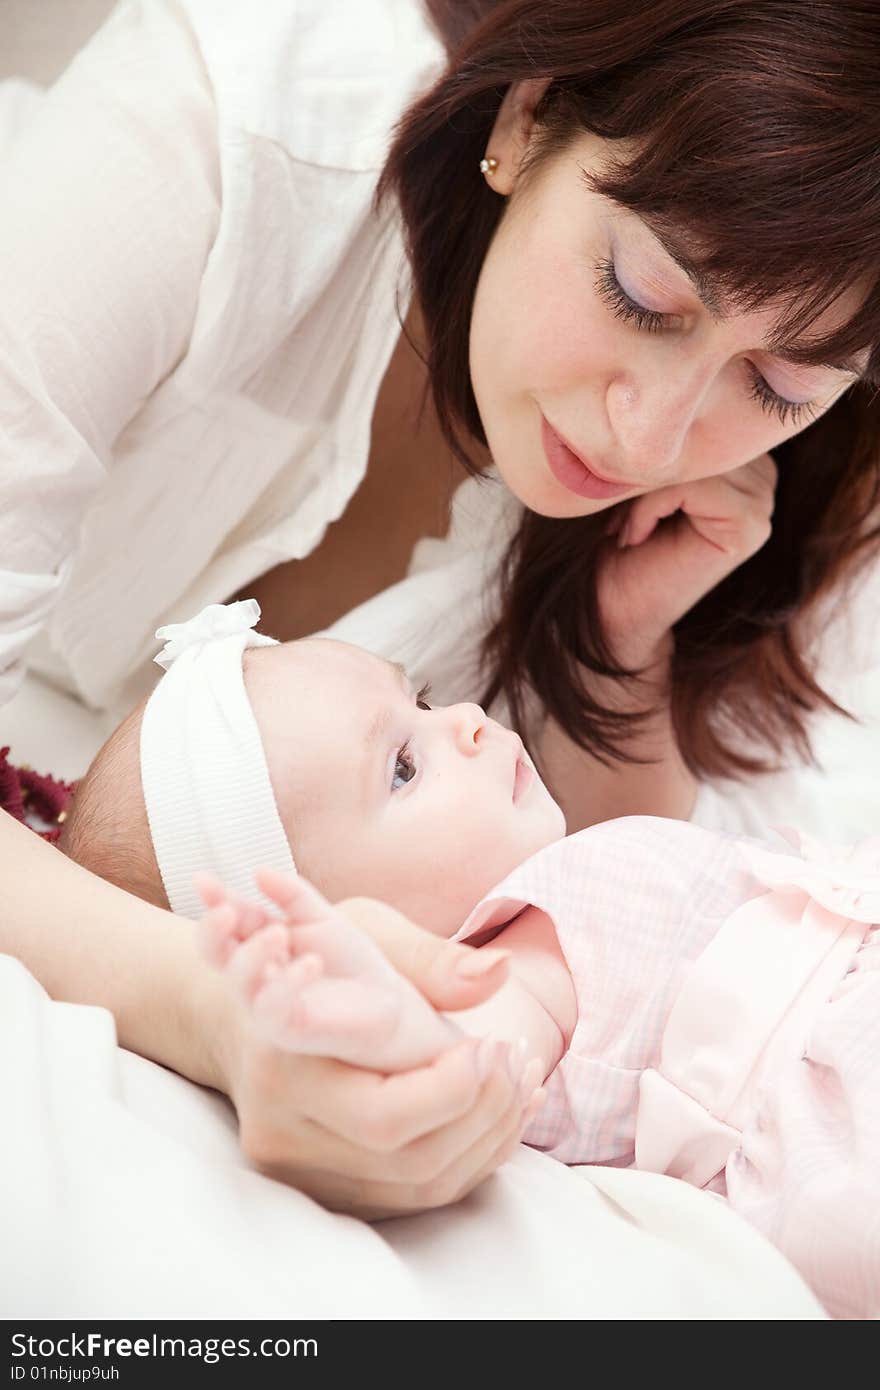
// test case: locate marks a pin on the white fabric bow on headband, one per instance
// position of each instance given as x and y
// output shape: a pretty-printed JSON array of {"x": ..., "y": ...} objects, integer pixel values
[
  {"x": 217, "y": 620},
  {"x": 207, "y": 789}
]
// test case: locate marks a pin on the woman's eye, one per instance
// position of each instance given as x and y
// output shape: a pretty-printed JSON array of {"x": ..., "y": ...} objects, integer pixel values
[
  {"x": 649, "y": 320},
  {"x": 404, "y": 768},
  {"x": 789, "y": 412},
  {"x": 616, "y": 297}
]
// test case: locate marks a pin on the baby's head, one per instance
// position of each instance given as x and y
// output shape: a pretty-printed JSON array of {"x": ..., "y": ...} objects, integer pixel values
[{"x": 378, "y": 793}]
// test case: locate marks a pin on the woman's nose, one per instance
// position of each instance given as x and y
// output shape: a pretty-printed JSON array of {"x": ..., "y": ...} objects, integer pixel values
[
  {"x": 650, "y": 421},
  {"x": 468, "y": 727}
]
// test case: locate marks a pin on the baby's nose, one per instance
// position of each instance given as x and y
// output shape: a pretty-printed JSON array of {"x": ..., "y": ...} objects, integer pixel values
[{"x": 469, "y": 723}]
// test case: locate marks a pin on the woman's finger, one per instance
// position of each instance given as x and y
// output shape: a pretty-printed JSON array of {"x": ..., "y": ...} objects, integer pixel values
[
  {"x": 485, "y": 1156},
  {"x": 442, "y": 1180},
  {"x": 646, "y": 512},
  {"x": 436, "y": 1168},
  {"x": 729, "y": 510},
  {"x": 401, "y": 1156},
  {"x": 450, "y": 975},
  {"x": 383, "y": 1114}
]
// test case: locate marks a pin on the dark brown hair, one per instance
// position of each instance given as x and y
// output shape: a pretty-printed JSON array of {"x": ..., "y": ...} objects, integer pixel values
[{"x": 757, "y": 126}]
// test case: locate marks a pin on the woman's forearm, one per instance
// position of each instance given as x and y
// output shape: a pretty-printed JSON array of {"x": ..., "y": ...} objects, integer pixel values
[
  {"x": 88, "y": 942},
  {"x": 659, "y": 784}
]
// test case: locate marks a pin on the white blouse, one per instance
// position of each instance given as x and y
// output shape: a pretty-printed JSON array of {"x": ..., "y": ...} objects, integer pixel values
[{"x": 197, "y": 307}]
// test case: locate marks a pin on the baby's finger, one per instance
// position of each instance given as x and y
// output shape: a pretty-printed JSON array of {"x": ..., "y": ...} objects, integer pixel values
[
  {"x": 216, "y": 934},
  {"x": 260, "y": 959},
  {"x": 298, "y": 899},
  {"x": 209, "y": 888},
  {"x": 250, "y": 916},
  {"x": 278, "y": 1003}
]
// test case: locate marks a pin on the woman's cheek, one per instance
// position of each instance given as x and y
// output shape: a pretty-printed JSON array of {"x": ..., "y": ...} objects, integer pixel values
[{"x": 560, "y": 333}]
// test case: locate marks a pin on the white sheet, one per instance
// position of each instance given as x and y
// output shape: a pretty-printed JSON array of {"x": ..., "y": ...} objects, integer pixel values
[{"x": 123, "y": 1192}]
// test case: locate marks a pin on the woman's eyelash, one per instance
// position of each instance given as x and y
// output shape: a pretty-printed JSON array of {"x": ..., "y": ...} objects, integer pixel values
[
  {"x": 611, "y": 290},
  {"x": 424, "y": 696},
  {"x": 650, "y": 321},
  {"x": 789, "y": 412}
]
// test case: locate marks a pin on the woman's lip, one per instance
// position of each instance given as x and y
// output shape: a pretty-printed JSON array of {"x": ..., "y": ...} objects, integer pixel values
[{"x": 569, "y": 469}]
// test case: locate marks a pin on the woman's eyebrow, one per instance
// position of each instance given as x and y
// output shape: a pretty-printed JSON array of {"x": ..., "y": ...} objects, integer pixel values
[
  {"x": 855, "y": 365},
  {"x": 678, "y": 253},
  {"x": 712, "y": 302}
]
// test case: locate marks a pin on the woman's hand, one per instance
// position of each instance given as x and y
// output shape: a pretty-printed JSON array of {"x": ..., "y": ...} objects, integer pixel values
[
  {"x": 646, "y": 581},
  {"x": 656, "y": 574},
  {"x": 366, "y": 1143}
]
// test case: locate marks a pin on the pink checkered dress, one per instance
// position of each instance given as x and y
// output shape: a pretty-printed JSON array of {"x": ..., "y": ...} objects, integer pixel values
[{"x": 728, "y": 1027}]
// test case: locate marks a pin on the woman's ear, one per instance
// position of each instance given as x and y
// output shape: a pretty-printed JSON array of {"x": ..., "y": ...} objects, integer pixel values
[{"x": 512, "y": 133}]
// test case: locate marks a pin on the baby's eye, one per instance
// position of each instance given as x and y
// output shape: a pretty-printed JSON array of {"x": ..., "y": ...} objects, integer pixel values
[{"x": 405, "y": 766}]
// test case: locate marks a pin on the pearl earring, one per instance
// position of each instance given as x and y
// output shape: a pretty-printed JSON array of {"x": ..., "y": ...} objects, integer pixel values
[{"x": 488, "y": 165}]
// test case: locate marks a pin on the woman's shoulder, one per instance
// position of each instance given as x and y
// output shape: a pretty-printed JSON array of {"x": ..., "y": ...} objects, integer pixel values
[{"x": 326, "y": 79}]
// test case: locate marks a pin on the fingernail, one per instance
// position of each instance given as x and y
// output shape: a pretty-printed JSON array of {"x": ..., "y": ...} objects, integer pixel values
[
  {"x": 478, "y": 963},
  {"x": 531, "y": 1077}
]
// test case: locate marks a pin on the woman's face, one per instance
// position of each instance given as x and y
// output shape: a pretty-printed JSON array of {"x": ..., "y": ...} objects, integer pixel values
[{"x": 589, "y": 337}]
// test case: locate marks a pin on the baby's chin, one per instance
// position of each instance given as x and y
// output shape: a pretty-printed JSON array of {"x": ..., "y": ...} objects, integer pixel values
[
  {"x": 548, "y": 819},
  {"x": 545, "y": 826},
  {"x": 550, "y": 829}
]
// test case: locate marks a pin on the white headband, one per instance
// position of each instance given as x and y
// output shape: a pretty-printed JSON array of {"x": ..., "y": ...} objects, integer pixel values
[{"x": 206, "y": 784}]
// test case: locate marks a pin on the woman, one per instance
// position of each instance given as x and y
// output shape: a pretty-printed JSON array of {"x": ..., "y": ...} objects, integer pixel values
[{"x": 643, "y": 243}]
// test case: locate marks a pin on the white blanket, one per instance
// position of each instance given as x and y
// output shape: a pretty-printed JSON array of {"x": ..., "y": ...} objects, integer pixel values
[{"x": 123, "y": 1192}]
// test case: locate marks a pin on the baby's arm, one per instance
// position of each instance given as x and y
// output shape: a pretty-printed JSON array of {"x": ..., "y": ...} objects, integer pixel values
[
  {"x": 316, "y": 983},
  {"x": 538, "y": 1001}
]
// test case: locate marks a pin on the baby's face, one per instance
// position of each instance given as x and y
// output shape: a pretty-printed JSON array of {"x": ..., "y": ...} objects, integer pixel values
[{"x": 382, "y": 795}]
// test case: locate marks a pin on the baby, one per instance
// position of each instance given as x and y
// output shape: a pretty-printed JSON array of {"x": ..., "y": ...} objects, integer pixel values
[{"x": 697, "y": 1005}]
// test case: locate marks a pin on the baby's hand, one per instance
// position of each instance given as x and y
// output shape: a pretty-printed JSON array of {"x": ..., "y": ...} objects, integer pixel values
[{"x": 314, "y": 981}]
